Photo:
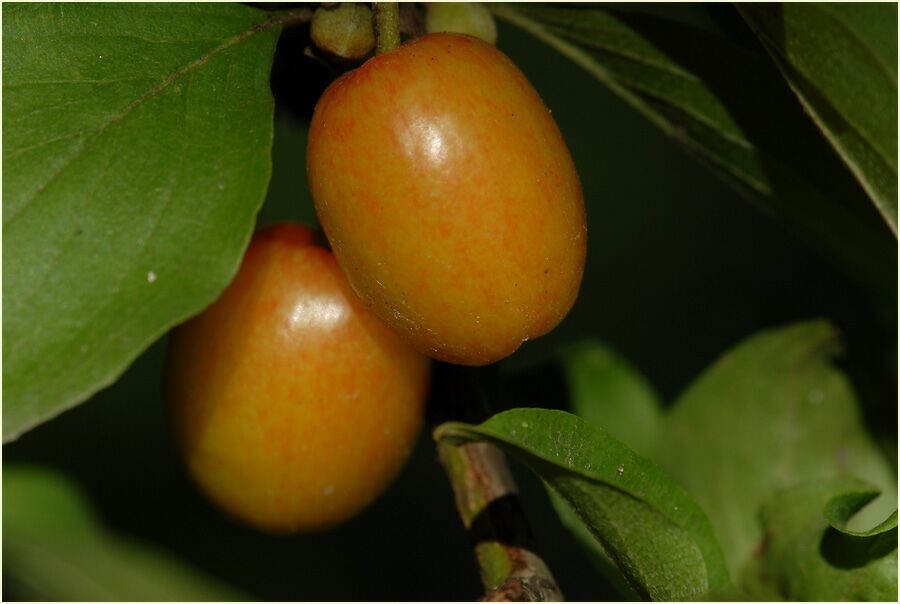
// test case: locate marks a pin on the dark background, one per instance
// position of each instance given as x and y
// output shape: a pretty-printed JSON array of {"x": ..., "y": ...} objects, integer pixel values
[{"x": 679, "y": 269}]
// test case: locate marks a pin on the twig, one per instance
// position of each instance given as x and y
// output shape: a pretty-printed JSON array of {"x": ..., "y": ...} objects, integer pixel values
[
  {"x": 486, "y": 497},
  {"x": 387, "y": 26},
  {"x": 290, "y": 18}
]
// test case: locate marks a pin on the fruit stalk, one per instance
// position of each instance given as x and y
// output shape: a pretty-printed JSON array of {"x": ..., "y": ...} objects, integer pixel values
[
  {"x": 486, "y": 497},
  {"x": 387, "y": 26}
]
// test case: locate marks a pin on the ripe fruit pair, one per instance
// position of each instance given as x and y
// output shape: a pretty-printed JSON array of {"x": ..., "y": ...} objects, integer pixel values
[{"x": 454, "y": 210}]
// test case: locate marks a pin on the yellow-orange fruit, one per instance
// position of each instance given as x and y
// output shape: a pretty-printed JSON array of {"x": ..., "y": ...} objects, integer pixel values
[
  {"x": 293, "y": 405},
  {"x": 449, "y": 197}
]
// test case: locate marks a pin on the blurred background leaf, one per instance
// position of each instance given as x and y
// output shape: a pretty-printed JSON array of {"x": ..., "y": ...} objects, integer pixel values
[
  {"x": 770, "y": 413},
  {"x": 841, "y": 61},
  {"x": 54, "y": 549},
  {"x": 805, "y": 559},
  {"x": 655, "y": 534},
  {"x": 608, "y": 391},
  {"x": 723, "y": 100},
  {"x": 136, "y": 136}
]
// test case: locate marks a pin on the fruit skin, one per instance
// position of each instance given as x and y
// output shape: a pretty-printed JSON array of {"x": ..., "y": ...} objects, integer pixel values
[
  {"x": 449, "y": 197},
  {"x": 293, "y": 405}
]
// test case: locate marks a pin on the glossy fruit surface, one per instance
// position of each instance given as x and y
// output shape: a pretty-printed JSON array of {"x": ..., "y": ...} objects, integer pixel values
[
  {"x": 293, "y": 405},
  {"x": 449, "y": 197}
]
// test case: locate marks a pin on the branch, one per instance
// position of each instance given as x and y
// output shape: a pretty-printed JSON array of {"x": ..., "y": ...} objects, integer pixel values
[{"x": 486, "y": 497}]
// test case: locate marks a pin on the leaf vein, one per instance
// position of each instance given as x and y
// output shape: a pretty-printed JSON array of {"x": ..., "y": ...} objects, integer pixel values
[{"x": 149, "y": 94}]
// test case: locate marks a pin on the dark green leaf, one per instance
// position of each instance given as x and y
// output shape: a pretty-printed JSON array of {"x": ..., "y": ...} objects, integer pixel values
[
  {"x": 803, "y": 558},
  {"x": 727, "y": 104},
  {"x": 656, "y": 535},
  {"x": 135, "y": 156},
  {"x": 54, "y": 549},
  {"x": 594, "y": 548},
  {"x": 841, "y": 60},
  {"x": 770, "y": 413}
]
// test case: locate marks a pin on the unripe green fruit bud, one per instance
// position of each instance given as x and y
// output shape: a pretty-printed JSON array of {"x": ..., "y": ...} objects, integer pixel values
[
  {"x": 461, "y": 18},
  {"x": 344, "y": 30}
]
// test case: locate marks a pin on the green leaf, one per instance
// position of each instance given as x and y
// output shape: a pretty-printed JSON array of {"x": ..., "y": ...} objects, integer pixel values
[
  {"x": 770, "y": 413},
  {"x": 55, "y": 549},
  {"x": 841, "y": 508},
  {"x": 656, "y": 535},
  {"x": 609, "y": 392},
  {"x": 803, "y": 558},
  {"x": 135, "y": 156},
  {"x": 592, "y": 546},
  {"x": 727, "y": 104},
  {"x": 841, "y": 61}
]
